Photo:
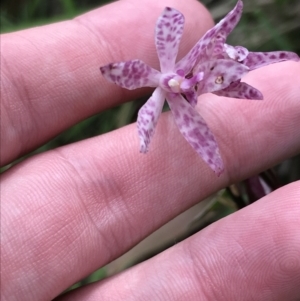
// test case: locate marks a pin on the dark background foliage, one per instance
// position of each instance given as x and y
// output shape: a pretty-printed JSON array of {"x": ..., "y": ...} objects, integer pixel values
[{"x": 266, "y": 25}]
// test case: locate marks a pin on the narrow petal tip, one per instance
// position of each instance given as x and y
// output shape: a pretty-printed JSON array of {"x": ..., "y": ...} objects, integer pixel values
[
  {"x": 143, "y": 146},
  {"x": 218, "y": 168}
]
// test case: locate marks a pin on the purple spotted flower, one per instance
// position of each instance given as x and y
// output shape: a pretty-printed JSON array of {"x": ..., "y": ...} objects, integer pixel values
[
  {"x": 171, "y": 84},
  {"x": 210, "y": 66}
]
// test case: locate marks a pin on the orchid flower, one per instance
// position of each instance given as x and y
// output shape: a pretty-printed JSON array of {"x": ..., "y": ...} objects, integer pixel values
[
  {"x": 170, "y": 84},
  {"x": 210, "y": 66}
]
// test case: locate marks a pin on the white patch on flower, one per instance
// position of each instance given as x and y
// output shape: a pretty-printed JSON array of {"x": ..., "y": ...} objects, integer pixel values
[{"x": 174, "y": 85}]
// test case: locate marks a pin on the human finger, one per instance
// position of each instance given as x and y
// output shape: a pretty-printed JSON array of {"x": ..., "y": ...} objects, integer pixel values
[
  {"x": 71, "y": 210},
  {"x": 50, "y": 76},
  {"x": 253, "y": 254}
]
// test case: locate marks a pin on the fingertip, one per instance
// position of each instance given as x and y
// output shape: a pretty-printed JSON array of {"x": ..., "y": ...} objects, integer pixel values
[{"x": 131, "y": 19}]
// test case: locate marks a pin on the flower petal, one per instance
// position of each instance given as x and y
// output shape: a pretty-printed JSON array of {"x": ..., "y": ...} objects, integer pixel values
[
  {"x": 240, "y": 90},
  {"x": 195, "y": 130},
  {"x": 237, "y": 53},
  {"x": 192, "y": 97},
  {"x": 131, "y": 74},
  {"x": 219, "y": 74},
  {"x": 218, "y": 33},
  {"x": 187, "y": 62},
  {"x": 168, "y": 32},
  {"x": 188, "y": 83},
  {"x": 258, "y": 59},
  {"x": 148, "y": 117}
]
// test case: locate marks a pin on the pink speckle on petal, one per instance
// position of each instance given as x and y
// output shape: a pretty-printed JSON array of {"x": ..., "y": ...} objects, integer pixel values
[
  {"x": 240, "y": 90},
  {"x": 169, "y": 29}
]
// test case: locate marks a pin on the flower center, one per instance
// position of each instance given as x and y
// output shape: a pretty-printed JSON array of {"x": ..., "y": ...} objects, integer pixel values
[
  {"x": 171, "y": 82},
  {"x": 177, "y": 83},
  {"x": 174, "y": 85}
]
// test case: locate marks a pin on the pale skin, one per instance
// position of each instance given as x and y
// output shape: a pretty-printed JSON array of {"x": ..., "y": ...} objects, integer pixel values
[{"x": 69, "y": 211}]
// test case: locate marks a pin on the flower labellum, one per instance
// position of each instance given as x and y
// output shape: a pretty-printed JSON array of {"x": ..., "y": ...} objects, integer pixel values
[{"x": 210, "y": 66}]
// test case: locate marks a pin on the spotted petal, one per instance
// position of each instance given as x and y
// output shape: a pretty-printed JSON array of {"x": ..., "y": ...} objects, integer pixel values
[
  {"x": 168, "y": 32},
  {"x": 237, "y": 53},
  {"x": 258, "y": 59},
  {"x": 188, "y": 83},
  {"x": 218, "y": 33},
  {"x": 131, "y": 74},
  {"x": 240, "y": 90},
  {"x": 219, "y": 74},
  {"x": 192, "y": 97},
  {"x": 195, "y": 130},
  {"x": 148, "y": 116}
]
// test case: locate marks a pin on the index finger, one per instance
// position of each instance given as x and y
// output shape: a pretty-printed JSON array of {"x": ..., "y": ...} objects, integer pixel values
[
  {"x": 50, "y": 75},
  {"x": 69, "y": 211}
]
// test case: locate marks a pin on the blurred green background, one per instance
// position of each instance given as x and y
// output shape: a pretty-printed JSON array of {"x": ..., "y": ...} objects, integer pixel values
[{"x": 266, "y": 25}]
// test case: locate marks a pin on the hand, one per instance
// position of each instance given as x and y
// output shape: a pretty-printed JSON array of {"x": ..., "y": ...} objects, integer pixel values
[{"x": 69, "y": 211}]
